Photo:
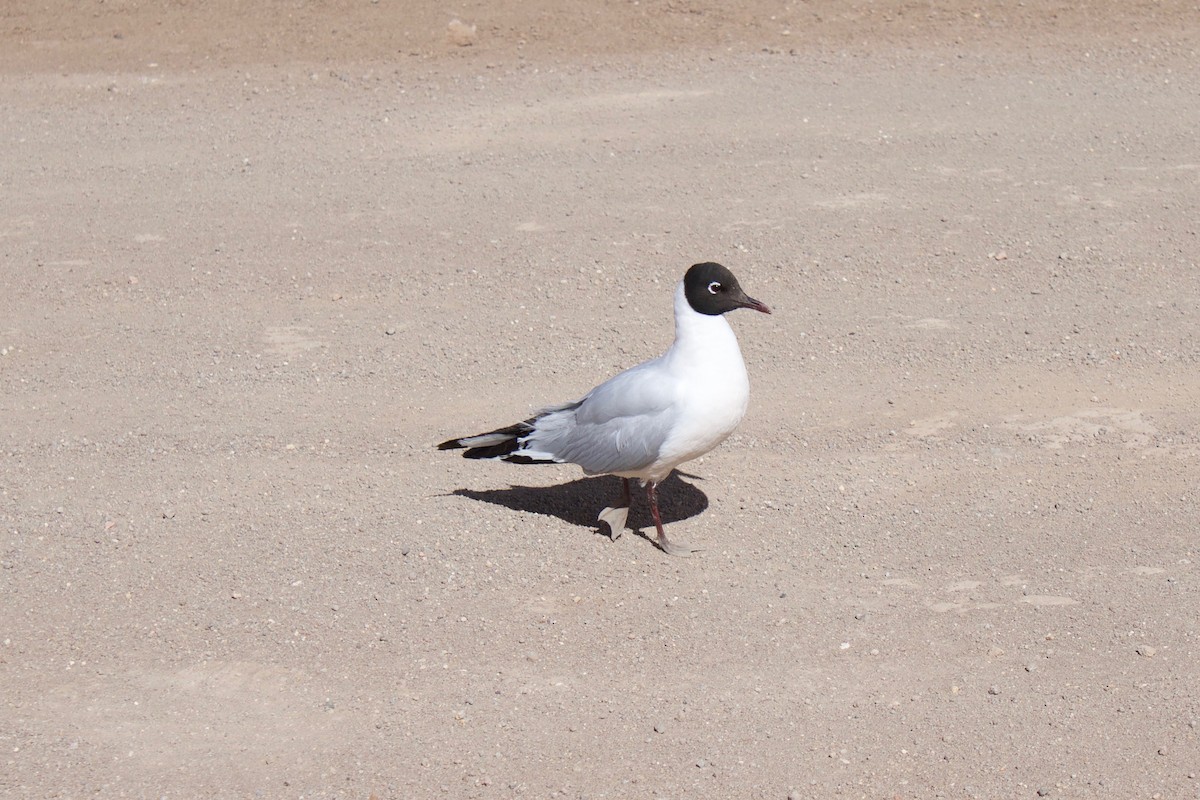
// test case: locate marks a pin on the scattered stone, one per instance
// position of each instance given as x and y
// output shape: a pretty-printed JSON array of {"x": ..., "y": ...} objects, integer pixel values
[
  {"x": 460, "y": 33},
  {"x": 390, "y": 331},
  {"x": 994, "y": 690},
  {"x": 1146, "y": 650}
]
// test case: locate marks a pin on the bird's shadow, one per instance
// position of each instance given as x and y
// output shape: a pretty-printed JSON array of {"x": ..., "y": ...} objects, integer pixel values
[{"x": 580, "y": 501}]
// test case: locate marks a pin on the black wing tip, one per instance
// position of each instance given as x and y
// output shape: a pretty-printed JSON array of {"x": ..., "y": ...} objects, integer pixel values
[
  {"x": 517, "y": 458},
  {"x": 501, "y": 450},
  {"x": 514, "y": 432},
  {"x": 507, "y": 450}
]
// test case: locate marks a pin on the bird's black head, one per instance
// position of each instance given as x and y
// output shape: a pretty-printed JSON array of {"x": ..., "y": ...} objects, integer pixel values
[{"x": 711, "y": 289}]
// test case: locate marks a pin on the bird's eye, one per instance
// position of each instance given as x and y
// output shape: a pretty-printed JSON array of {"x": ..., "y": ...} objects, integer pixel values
[{"x": 715, "y": 287}]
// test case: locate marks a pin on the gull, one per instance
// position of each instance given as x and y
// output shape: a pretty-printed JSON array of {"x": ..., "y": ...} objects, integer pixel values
[{"x": 649, "y": 419}]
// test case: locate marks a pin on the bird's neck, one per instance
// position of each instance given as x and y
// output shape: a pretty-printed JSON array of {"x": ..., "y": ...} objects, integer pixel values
[{"x": 702, "y": 338}]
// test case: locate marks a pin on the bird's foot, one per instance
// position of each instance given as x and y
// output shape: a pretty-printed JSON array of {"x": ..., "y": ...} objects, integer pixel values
[
  {"x": 678, "y": 549},
  {"x": 614, "y": 517}
]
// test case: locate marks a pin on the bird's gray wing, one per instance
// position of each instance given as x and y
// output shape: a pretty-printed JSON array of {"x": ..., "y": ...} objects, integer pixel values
[{"x": 619, "y": 426}]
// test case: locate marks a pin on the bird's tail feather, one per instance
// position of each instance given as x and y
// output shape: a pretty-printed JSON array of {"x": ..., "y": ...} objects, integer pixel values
[
  {"x": 503, "y": 444},
  {"x": 493, "y": 444},
  {"x": 507, "y": 444}
]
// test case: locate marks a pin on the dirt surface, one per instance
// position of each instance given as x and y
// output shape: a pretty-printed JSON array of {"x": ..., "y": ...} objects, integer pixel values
[{"x": 261, "y": 257}]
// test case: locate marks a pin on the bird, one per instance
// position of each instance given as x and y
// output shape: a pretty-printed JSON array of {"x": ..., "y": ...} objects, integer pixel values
[{"x": 644, "y": 422}]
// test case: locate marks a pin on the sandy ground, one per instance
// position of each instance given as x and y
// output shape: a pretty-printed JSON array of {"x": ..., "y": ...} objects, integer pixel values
[{"x": 259, "y": 258}]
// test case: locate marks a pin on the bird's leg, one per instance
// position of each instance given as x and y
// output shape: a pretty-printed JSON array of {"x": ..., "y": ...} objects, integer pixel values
[
  {"x": 615, "y": 515},
  {"x": 667, "y": 546}
]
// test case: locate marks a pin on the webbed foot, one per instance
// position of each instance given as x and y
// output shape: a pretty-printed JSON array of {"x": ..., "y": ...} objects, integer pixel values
[
  {"x": 678, "y": 549},
  {"x": 614, "y": 517}
]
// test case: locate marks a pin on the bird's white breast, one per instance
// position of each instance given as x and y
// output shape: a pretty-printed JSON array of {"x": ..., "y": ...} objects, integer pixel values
[{"x": 710, "y": 384}]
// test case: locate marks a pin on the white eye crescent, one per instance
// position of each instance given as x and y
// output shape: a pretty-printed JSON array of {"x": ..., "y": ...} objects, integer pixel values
[{"x": 714, "y": 287}]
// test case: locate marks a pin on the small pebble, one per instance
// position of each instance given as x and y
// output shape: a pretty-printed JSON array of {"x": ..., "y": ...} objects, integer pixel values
[
  {"x": 1146, "y": 650},
  {"x": 993, "y": 690},
  {"x": 460, "y": 33},
  {"x": 390, "y": 331}
]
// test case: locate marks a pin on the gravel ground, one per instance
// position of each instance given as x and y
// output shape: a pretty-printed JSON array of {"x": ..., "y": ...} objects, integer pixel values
[{"x": 260, "y": 258}]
